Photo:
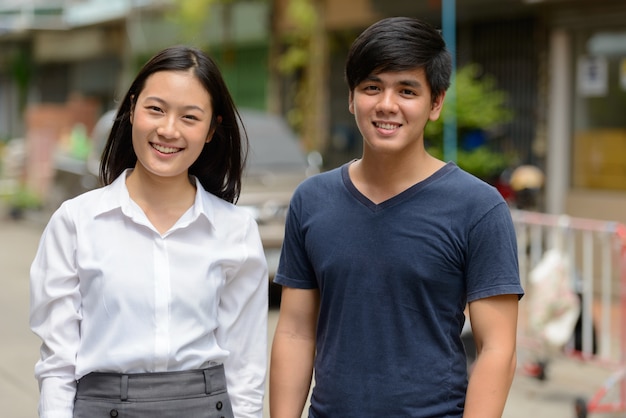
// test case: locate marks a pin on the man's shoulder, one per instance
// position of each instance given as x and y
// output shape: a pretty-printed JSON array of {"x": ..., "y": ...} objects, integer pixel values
[
  {"x": 323, "y": 181},
  {"x": 468, "y": 184}
]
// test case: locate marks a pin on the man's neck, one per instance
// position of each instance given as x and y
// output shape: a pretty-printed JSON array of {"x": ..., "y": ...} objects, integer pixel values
[{"x": 380, "y": 177}]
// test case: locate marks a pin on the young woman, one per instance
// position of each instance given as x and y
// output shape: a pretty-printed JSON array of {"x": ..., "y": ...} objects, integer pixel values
[{"x": 150, "y": 293}]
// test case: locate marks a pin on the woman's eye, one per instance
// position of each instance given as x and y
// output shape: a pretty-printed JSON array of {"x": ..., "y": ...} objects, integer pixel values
[
  {"x": 191, "y": 117},
  {"x": 154, "y": 108}
]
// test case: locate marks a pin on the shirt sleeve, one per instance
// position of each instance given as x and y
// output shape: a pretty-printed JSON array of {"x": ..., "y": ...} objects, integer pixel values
[
  {"x": 294, "y": 269},
  {"x": 55, "y": 315},
  {"x": 242, "y": 316},
  {"x": 492, "y": 256}
]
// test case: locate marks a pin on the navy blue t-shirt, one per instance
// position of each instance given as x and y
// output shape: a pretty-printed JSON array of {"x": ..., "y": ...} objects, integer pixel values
[{"x": 394, "y": 279}]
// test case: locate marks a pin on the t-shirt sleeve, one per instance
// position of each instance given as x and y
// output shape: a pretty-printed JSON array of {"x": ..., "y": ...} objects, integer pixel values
[
  {"x": 492, "y": 259},
  {"x": 295, "y": 269}
]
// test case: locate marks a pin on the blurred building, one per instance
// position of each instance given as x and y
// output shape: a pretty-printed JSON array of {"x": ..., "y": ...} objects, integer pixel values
[{"x": 562, "y": 63}]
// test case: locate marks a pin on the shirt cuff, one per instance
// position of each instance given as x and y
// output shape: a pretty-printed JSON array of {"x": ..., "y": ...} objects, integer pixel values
[{"x": 57, "y": 398}]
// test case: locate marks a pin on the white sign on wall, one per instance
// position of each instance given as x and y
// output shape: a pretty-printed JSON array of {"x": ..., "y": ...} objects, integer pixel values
[{"x": 592, "y": 76}]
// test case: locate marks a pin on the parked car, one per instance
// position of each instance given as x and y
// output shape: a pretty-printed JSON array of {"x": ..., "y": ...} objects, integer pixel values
[{"x": 276, "y": 165}]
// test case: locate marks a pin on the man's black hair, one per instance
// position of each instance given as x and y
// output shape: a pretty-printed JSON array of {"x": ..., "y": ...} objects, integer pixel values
[{"x": 400, "y": 44}]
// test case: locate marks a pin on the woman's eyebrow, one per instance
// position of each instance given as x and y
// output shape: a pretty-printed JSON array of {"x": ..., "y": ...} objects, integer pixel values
[{"x": 187, "y": 107}]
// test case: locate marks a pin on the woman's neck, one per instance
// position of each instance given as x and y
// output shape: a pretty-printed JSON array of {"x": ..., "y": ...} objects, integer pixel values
[{"x": 163, "y": 199}]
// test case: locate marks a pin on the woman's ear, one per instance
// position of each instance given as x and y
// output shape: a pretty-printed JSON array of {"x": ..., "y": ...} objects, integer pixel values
[
  {"x": 218, "y": 121},
  {"x": 132, "y": 108}
]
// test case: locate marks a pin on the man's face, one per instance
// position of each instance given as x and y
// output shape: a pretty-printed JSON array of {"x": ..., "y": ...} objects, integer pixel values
[{"x": 392, "y": 108}]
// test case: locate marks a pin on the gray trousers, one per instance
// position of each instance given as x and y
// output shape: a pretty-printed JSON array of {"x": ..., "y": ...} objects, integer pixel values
[{"x": 187, "y": 394}]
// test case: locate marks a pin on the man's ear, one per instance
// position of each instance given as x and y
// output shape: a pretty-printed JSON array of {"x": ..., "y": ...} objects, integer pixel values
[
  {"x": 351, "y": 102},
  {"x": 437, "y": 106}
]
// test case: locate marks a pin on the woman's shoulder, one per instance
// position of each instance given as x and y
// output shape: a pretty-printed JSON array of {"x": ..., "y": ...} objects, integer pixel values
[
  {"x": 80, "y": 209},
  {"x": 87, "y": 199},
  {"x": 221, "y": 207},
  {"x": 92, "y": 202}
]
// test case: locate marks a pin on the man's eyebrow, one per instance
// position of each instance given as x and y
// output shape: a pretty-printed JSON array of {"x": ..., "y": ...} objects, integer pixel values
[
  {"x": 373, "y": 77},
  {"x": 408, "y": 82},
  {"x": 163, "y": 102},
  {"x": 411, "y": 83}
]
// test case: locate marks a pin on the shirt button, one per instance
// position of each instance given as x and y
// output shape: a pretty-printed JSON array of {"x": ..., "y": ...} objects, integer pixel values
[
  {"x": 113, "y": 413},
  {"x": 219, "y": 405}
]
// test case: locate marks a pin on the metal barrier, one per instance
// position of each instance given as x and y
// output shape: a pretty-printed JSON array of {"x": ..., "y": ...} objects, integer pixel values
[{"x": 597, "y": 252}]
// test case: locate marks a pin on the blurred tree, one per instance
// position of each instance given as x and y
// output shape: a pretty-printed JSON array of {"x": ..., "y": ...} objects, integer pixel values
[
  {"x": 298, "y": 52},
  {"x": 21, "y": 72},
  {"x": 479, "y": 104},
  {"x": 304, "y": 57},
  {"x": 480, "y": 110},
  {"x": 191, "y": 15}
]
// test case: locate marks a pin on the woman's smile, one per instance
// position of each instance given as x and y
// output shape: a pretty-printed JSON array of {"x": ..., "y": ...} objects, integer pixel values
[{"x": 165, "y": 149}]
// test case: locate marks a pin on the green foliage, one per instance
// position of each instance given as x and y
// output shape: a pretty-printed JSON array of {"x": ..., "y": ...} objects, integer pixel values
[
  {"x": 191, "y": 15},
  {"x": 479, "y": 104},
  {"x": 21, "y": 71},
  {"x": 24, "y": 198},
  {"x": 303, "y": 15},
  {"x": 481, "y": 161}
]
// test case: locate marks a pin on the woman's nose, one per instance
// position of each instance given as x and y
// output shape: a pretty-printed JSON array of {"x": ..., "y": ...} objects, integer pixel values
[{"x": 168, "y": 128}]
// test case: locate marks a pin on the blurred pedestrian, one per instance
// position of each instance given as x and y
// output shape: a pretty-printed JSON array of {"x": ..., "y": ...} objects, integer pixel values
[
  {"x": 382, "y": 255},
  {"x": 150, "y": 293}
]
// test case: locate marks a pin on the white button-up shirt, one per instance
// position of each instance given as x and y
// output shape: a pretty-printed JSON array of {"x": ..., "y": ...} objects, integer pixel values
[{"x": 109, "y": 293}]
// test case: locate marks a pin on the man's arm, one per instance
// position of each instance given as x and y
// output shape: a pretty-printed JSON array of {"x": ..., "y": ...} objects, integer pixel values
[
  {"x": 494, "y": 325},
  {"x": 293, "y": 352}
]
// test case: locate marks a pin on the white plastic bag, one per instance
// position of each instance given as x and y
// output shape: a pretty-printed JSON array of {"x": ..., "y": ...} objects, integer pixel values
[{"x": 554, "y": 307}]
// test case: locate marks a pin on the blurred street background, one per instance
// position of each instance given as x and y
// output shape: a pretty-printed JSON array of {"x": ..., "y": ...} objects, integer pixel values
[{"x": 536, "y": 109}]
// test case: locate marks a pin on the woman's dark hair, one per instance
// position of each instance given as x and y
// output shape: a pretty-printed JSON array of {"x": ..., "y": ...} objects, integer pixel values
[
  {"x": 220, "y": 164},
  {"x": 400, "y": 44}
]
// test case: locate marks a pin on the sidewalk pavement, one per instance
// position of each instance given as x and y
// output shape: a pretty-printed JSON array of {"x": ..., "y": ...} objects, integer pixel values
[
  {"x": 19, "y": 348},
  {"x": 552, "y": 398}
]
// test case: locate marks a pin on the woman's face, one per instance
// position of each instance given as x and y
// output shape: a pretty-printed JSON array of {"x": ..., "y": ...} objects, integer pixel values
[{"x": 171, "y": 121}]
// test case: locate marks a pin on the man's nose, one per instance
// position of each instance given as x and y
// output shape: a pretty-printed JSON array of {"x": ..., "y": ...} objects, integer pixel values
[{"x": 387, "y": 102}]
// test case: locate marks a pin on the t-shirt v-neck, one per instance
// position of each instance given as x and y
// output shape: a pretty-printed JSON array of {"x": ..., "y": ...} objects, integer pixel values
[{"x": 400, "y": 197}]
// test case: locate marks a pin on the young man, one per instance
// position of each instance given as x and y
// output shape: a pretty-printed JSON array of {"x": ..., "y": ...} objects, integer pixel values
[{"x": 382, "y": 255}]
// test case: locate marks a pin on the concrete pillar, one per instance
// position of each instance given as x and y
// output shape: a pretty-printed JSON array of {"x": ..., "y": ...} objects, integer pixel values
[{"x": 559, "y": 122}]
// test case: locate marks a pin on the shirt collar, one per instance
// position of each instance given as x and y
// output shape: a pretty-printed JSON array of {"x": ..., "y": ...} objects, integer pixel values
[{"x": 116, "y": 196}]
